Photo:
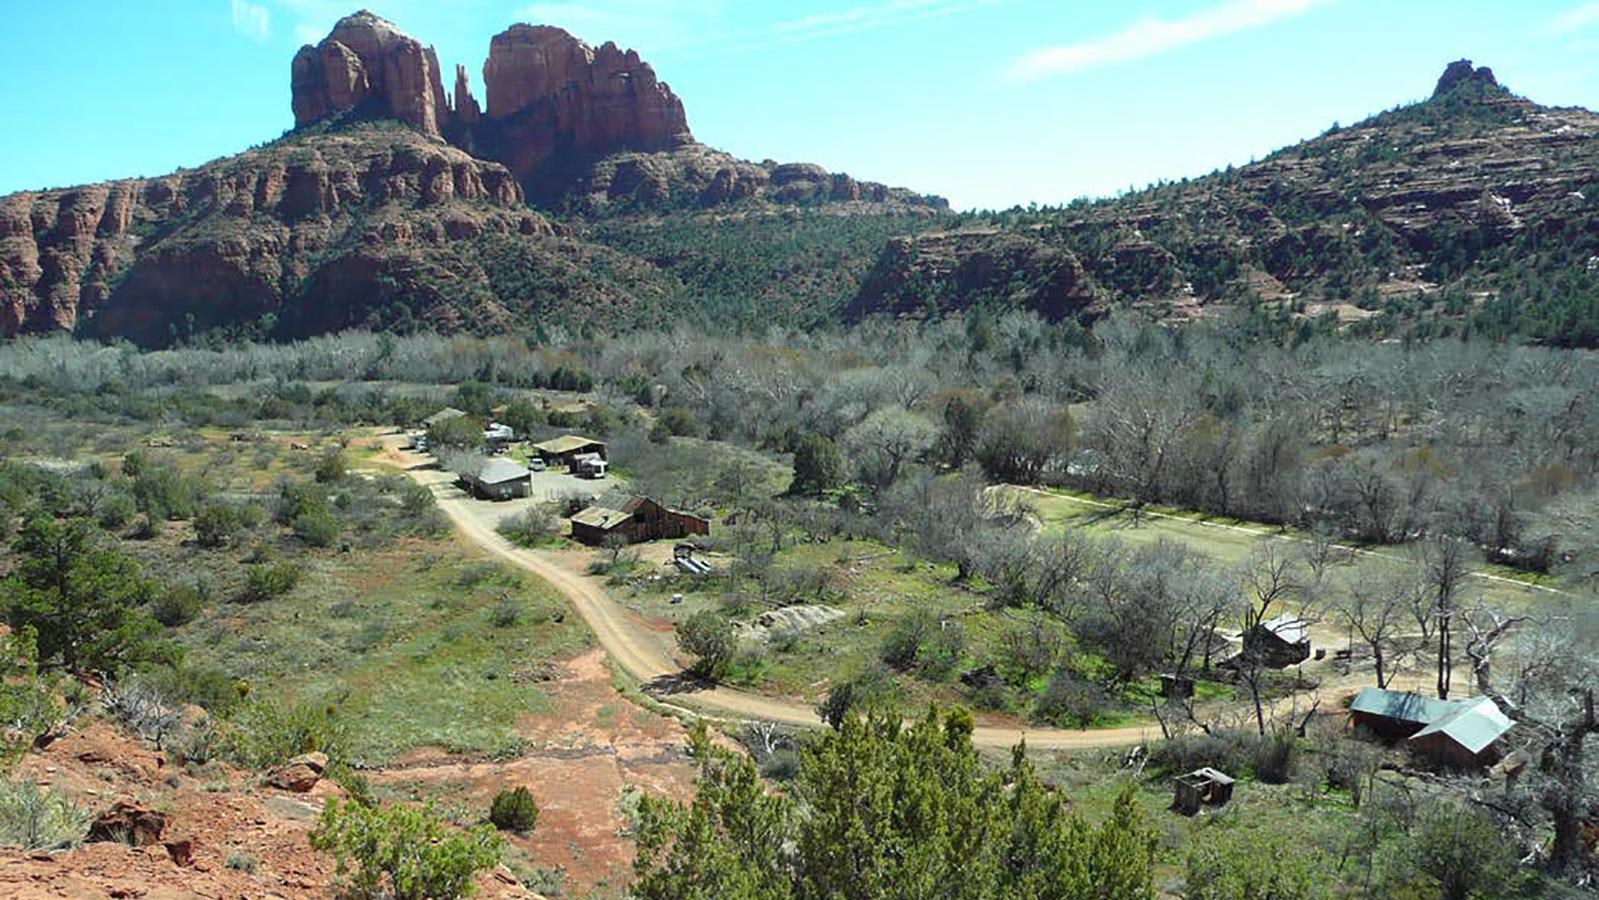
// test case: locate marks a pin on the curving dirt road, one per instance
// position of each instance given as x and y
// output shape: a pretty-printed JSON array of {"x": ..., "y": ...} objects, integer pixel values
[{"x": 646, "y": 653}]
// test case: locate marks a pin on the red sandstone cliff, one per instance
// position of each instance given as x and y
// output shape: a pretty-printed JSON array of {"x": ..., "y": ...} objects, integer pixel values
[
  {"x": 240, "y": 237},
  {"x": 365, "y": 59}
]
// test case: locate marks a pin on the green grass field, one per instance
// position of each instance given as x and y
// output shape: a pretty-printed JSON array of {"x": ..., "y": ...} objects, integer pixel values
[{"x": 1230, "y": 543}]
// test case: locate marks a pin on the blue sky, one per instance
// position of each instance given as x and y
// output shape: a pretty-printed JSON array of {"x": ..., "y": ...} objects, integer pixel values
[{"x": 988, "y": 102}]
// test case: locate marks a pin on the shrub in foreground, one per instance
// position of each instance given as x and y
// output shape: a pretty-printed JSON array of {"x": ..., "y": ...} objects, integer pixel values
[
  {"x": 35, "y": 818},
  {"x": 514, "y": 810},
  {"x": 403, "y": 852}
]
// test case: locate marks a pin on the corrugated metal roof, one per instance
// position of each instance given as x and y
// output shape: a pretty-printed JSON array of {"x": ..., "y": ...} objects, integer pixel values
[
  {"x": 501, "y": 470},
  {"x": 1473, "y": 724},
  {"x": 566, "y": 443},
  {"x": 601, "y": 517},
  {"x": 1401, "y": 706},
  {"x": 619, "y": 501}
]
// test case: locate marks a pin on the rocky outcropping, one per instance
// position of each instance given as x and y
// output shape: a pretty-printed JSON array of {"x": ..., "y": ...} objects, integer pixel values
[
  {"x": 299, "y": 774},
  {"x": 578, "y": 126},
  {"x": 694, "y": 176},
  {"x": 366, "y": 61},
  {"x": 1461, "y": 72},
  {"x": 550, "y": 93},
  {"x": 950, "y": 271},
  {"x": 128, "y": 823}
]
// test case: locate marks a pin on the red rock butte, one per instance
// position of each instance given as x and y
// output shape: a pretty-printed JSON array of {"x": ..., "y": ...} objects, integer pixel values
[{"x": 548, "y": 93}]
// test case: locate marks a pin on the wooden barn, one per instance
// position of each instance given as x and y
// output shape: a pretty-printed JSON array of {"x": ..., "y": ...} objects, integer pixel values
[
  {"x": 636, "y": 519},
  {"x": 564, "y": 450}
]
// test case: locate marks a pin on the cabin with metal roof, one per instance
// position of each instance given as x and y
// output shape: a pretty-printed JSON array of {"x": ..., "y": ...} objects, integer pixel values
[
  {"x": 635, "y": 518},
  {"x": 1455, "y": 733},
  {"x": 1465, "y": 737}
]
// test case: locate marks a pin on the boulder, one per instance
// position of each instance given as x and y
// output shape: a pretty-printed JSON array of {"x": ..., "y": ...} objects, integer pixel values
[
  {"x": 299, "y": 774},
  {"x": 181, "y": 852},
  {"x": 128, "y": 823}
]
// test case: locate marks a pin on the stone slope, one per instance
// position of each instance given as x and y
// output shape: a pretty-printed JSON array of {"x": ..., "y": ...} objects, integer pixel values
[
  {"x": 242, "y": 237},
  {"x": 1408, "y": 203}
]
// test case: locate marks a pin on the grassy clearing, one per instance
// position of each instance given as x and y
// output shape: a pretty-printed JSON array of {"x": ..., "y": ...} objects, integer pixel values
[
  {"x": 878, "y": 587},
  {"x": 419, "y": 644},
  {"x": 1230, "y": 542},
  {"x": 417, "y": 640}
]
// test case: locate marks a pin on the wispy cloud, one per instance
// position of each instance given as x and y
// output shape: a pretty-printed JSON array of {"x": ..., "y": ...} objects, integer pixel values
[
  {"x": 1575, "y": 19},
  {"x": 868, "y": 18},
  {"x": 251, "y": 20},
  {"x": 1150, "y": 37}
]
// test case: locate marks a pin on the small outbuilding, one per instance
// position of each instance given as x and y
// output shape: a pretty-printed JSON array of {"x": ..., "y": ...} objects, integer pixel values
[
  {"x": 1176, "y": 686},
  {"x": 636, "y": 519},
  {"x": 1280, "y": 642},
  {"x": 1200, "y": 788},
  {"x": 564, "y": 450},
  {"x": 500, "y": 479}
]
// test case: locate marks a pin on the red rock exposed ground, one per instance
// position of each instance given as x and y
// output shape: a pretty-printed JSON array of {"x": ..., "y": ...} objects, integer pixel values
[{"x": 586, "y": 757}]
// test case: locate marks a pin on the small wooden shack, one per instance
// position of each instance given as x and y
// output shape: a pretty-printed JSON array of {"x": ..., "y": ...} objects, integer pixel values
[
  {"x": 636, "y": 519},
  {"x": 1174, "y": 686},
  {"x": 564, "y": 450},
  {"x": 1200, "y": 788},
  {"x": 1280, "y": 642}
]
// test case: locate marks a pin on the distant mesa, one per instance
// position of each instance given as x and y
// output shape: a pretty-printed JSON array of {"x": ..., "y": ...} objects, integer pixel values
[{"x": 548, "y": 93}]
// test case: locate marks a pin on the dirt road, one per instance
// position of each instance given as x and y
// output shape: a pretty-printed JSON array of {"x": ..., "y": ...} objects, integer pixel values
[{"x": 646, "y": 653}]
